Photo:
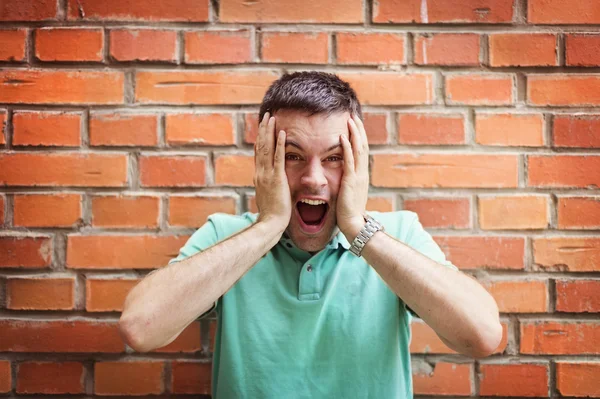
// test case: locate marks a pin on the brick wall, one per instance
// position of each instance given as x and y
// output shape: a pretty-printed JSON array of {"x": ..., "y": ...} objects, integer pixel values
[{"x": 126, "y": 122}]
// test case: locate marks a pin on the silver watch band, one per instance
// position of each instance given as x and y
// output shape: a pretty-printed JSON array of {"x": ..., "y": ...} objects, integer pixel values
[{"x": 371, "y": 227}]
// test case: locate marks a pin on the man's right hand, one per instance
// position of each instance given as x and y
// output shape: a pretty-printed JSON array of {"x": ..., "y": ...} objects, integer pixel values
[{"x": 273, "y": 197}]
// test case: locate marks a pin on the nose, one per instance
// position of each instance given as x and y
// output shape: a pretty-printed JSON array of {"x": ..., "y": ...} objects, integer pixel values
[{"x": 313, "y": 176}]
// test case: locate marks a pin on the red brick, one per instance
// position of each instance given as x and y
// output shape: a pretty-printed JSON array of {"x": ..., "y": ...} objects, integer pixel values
[
  {"x": 561, "y": 12},
  {"x": 189, "y": 341},
  {"x": 25, "y": 252},
  {"x": 582, "y": 50},
  {"x": 447, "y": 49},
  {"x": 391, "y": 88},
  {"x": 282, "y": 11},
  {"x": 251, "y": 203},
  {"x": 122, "y": 129},
  {"x": 578, "y": 379},
  {"x": 572, "y": 254},
  {"x": 5, "y": 376},
  {"x": 576, "y": 131},
  {"x": 440, "y": 212},
  {"x": 200, "y": 87},
  {"x": 519, "y": 296},
  {"x": 474, "y": 89},
  {"x": 435, "y": 11},
  {"x": 60, "y": 336},
  {"x": 207, "y": 47},
  {"x": 578, "y": 212},
  {"x": 563, "y": 171},
  {"x": 139, "y": 10},
  {"x": 513, "y": 212},
  {"x": 3, "y": 127},
  {"x": 250, "y": 128},
  {"x": 523, "y": 49},
  {"x": 125, "y": 211},
  {"x": 46, "y": 129},
  {"x": 234, "y": 170},
  {"x": 28, "y": 10},
  {"x": 2, "y": 202},
  {"x": 442, "y": 379},
  {"x": 13, "y": 44},
  {"x": 66, "y": 87},
  {"x": 370, "y": 48},
  {"x": 376, "y": 128},
  {"x": 51, "y": 378},
  {"x": 565, "y": 90},
  {"x": 47, "y": 210},
  {"x": 188, "y": 211},
  {"x": 129, "y": 378},
  {"x": 578, "y": 296},
  {"x": 200, "y": 129},
  {"x": 295, "y": 47},
  {"x": 143, "y": 45},
  {"x": 380, "y": 204},
  {"x": 107, "y": 295},
  {"x": 431, "y": 129},
  {"x": 189, "y": 377},
  {"x": 476, "y": 252},
  {"x": 121, "y": 252},
  {"x": 444, "y": 170},
  {"x": 527, "y": 379},
  {"x": 509, "y": 129},
  {"x": 172, "y": 171},
  {"x": 554, "y": 338},
  {"x": 63, "y": 169},
  {"x": 69, "y": 44}
]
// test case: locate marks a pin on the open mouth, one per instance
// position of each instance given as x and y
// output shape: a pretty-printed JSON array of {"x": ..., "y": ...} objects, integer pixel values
[{"x": 312, "y": 214}]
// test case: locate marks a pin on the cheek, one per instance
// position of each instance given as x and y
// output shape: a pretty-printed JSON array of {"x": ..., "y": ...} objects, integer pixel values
[{"x": 334, "y": 179}]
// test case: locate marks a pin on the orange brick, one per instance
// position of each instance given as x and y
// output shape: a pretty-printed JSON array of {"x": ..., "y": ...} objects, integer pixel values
[
  {"x": 5, "y": 376},
  {"x": 523, "y": 49},
  {"x": 424, "y": 339},
  {"x": 513, "y": 212},
  {"x": 250, "y": 128},
  {"x": 129, "y": 378},
  {"x": 435, "y": 11},
  {"x": 563, "y": 171},
  {"x": 69, "y": 44},
  {"x": 560, "y": 12},
  {"x": 72, "y": 336},
  {"x": 189, "y": 341},
  {"x": 251, "y": 203},
  {"x": 234, "y": 170},
  {"x": 444, "y": 170},
  {"x": 28, "y": 10},
  {"x": 13, "y": 44},
  {"x": 442, "y": 379},
  {"x": 121, "y": 252},
  {"x": 582, "y": 50},
  {"x": 68, "y": 87},
  {"x": 578, "y": 212},
  {"x": 376, "y": 128},
  {"x": 51, "y": 378},
  {"x": 107, "y": 295},
  {"x": 172, "y": 171},
  {"x": 554, "y": 338},
  {"x": 509, "y": 129},
  {"x": 121, "y": 129},
  {"x": 565, "y": 90},
  {"x": 200, "y": 87},
  {"x": 283, "y": 11},
  {"x": 380, "y": 204},
  {"x": 295, "y": 47},
  {"x": 370, "y": 48},
  {"x": 576, "y": 131},
  {"x": 126, "y": 211},
  {"x": 25, "y": 252},
  {"x": 200, "y": 129},
  {"x": 474, "y": 89},
  {"x": 3, "y": 127},
  {"x": 429, "y": 128},
  {"x": 528, "y": 379},
  {"x": 63, "y": 169},
  {"x": 139, "y": 10},
  {"x": 391, "y": 88},
  {"x": 41, "y": 210},
  {"x": 447, "y": 49},
  {"x": 207, "y": 47},
  {"x": 143, "y": 45},
  {"x": 2, "y": 202},
  {"x": 46, "y": 129},
  {"x": 191, "y": 377},
  {"x": 475, "y": 252},
  {"x": 578, "y": 296},
  {"x": 519, "y": 296},
  {"x": 571, "y": 254},
  {"x": 187, "y": 211},
  {"x": 578, "y": 379},
  {"x": 441, "y": 212}
]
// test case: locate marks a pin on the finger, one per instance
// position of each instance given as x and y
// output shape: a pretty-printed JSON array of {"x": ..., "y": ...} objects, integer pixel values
[
  {"x": 355, "y": 141},
  {"x": 361, "y": 128},
  {"x": 280, "y": 153},
  {"x": 260, "y": 142},
  {"x": 348, "y": 157}
]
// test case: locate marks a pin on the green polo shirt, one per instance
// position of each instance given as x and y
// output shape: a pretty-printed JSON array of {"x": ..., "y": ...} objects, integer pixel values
[{"x": 302, "y": 326}]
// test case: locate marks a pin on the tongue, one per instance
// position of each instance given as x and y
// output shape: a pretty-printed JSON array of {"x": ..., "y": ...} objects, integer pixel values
[{"x": 311, "y": 214}]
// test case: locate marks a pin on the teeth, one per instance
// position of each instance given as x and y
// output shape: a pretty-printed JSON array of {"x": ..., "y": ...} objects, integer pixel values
[{"x": 312, "y": 202}]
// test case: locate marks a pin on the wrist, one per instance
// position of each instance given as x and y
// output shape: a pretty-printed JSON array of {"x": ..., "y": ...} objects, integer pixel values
[{"x": 351, "y": 229}]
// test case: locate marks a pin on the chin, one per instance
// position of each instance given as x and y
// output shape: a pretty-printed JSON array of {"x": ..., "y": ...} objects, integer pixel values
[{"x": 312, "y": 242}]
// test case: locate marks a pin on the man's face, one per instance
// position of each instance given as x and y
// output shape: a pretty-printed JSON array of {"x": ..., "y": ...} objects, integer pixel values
[{"x": 314, "y": 167}]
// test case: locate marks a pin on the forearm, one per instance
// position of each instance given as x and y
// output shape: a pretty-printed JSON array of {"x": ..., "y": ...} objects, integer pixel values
[{"x": 169, "y": 299}]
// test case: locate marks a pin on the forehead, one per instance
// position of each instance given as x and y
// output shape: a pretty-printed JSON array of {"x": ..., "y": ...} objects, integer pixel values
[{"x": 321, "y": 129}]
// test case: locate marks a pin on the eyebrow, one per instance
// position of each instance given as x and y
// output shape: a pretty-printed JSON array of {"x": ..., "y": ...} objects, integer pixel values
[{"x": 298, "y": 146}]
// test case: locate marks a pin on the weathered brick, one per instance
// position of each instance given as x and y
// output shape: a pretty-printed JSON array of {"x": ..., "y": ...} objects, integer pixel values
[
  {"x": 438, "y": 212},
  {"x": 139, "y": 10},
  {"x": 435, "y": 11},
  {"x": 563, "y": 171},
  {"x": 129, "y": 378},
  {"x": 51, "y": 378},
  {"x": 107, "y": 295},
  {"x": 234, "y": 170},
  {"x": 5, "y": 376},
  {"x": 578, "y": 212},
  {"x": 431, "y": 129},
  {"x": 295, "y": 47},
  {"x": 519, "y": 296},
  {"x": 578, "y": 296},
  {"x": 572, "y": 254},
  {"x": 207, "y": 47},
  {"x": 523, "y": 49},
  {"x": 563, "y": 90},
  {"x": 172, "y": 171},
  {"x": 559, "y": 338},
  {"x": 442, "y": 379},
  {"x": 513, "y": 212},
  {"x": 199, "y": 129},
  {"x": 191, "y": 377},
  {"x": 2, "y": 211},
  {"x": 578, "y": 379},
  {"x": 561, "y": 12},
  {"x": 125, "y": 211},
  {"x": 447, "y": 49},
  {"x": 189, "y": 341},
  {"x": 123, "y": 129},
  {"x": 582, "y": 50},
  {"x": 391, "y": 88},
  {"x": 376, "y": 128},
  {"x": 380, "y": 204},
  {"x": 186, "y": 211},
  {"x": 69, "y": 44},
  {"x": 3, "y": 127},
  {"x": 46, "y": 210},
  {"x": 25, "y": 252},
  {"x": 284, "y": 11},
  {"x": 479, "y": 89},
  {"x": 143, "y": 45},
  {"x": 370, "y": 48},
  {"x": 509, "y": 129},
  {"x": 46, "y": 129},
  {"x": 13, "y": 44},
  {"x": 476, "y": 252},
  {"x": 28, "y": 10},
  {"x": 576, "y": 131},
  {"x": 527, "y": 379}
]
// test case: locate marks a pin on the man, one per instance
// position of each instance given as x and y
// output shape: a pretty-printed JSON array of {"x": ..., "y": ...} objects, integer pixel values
[{"x": 313, "y": 297}]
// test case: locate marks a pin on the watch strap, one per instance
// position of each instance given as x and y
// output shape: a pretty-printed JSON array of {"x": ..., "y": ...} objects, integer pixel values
[{"x": 371, "y": 227}]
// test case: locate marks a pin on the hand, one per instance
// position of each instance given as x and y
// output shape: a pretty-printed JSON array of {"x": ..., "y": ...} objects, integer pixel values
[
  {"x": 354, "y": 188},
  {"x": 273, "y": 196}
]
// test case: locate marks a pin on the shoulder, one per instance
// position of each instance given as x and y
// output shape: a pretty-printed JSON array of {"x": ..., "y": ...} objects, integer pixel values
[
  {"x": 399, "y": 224},
  {"x": 226, "y": 224}
]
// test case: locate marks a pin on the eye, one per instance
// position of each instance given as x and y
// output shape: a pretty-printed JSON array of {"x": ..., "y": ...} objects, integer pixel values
[
  {"x": 292, "y": 157},
  {"x": 334, "y": 158}
]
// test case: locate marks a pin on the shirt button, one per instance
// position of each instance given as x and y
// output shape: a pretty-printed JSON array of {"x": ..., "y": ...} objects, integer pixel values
[{"x": 309, "y": 268}]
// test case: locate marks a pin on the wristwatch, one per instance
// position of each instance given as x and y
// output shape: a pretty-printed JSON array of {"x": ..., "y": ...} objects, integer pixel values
[{"x": 371, "y": 227}]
